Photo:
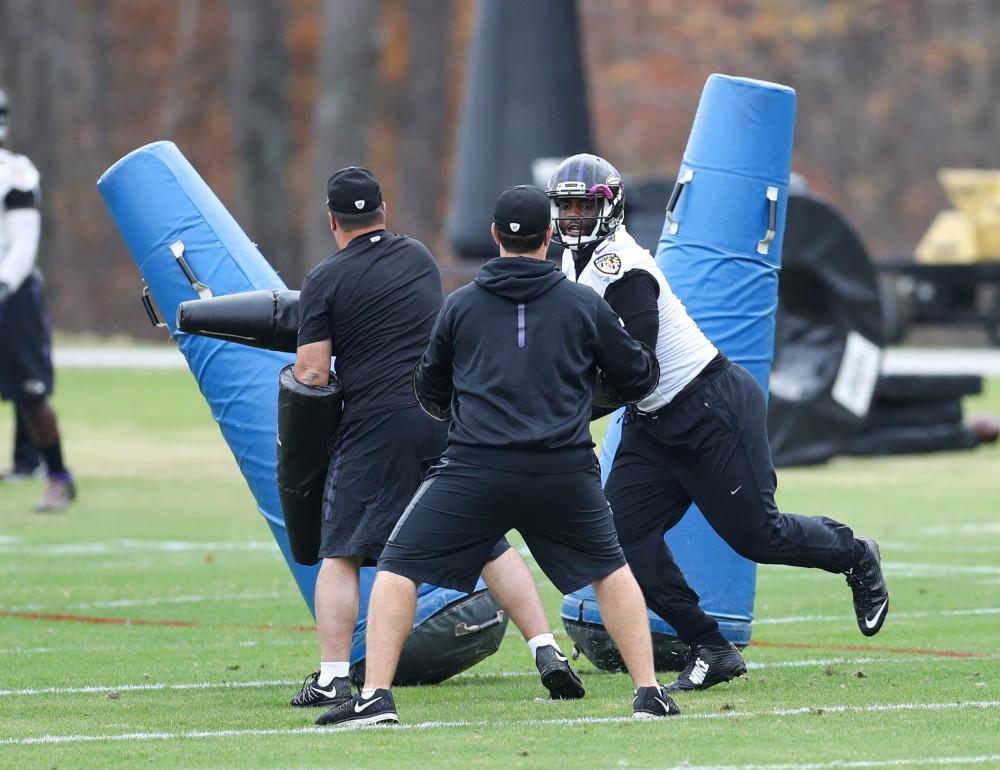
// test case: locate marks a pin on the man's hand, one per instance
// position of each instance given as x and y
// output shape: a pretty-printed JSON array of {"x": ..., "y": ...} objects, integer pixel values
[{"x": 312, "y": 363}]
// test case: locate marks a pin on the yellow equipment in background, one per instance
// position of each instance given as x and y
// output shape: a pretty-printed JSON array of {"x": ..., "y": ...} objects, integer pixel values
[{"x": 970, "y": 232}]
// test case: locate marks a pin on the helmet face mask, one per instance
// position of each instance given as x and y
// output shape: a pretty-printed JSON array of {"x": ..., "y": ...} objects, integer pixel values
[{"x": 585, "y": 179}]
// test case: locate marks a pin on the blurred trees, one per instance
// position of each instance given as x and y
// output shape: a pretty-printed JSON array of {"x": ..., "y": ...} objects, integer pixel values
[
  {"x": 258, "y": 80},
  {"x": 268, "y": 97}
]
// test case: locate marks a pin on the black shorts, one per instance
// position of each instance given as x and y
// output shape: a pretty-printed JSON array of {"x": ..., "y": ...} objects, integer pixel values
[
  {"x": 446, "y": 534},
  {"x": 376, "y": 465},
  {"x": 25, "y": 344}
]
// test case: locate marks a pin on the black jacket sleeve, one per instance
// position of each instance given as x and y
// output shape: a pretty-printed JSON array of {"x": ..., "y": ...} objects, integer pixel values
[
  {"x": 634, "y": 297},
  {"x": 629, "y": 370},
  {"x": 432, "y": 378}
]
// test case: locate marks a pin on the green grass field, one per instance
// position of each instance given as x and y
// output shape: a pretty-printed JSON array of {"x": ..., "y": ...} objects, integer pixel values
[{"x": 156, "y": 625}]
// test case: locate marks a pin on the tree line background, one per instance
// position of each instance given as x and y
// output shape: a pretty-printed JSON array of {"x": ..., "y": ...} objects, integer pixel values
[{"x": 268, "y": 97}]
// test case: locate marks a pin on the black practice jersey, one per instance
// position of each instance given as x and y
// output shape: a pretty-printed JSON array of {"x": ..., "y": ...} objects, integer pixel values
[
  {"x": 376, "y": 300},
  {"x": 513, "y": 356}
]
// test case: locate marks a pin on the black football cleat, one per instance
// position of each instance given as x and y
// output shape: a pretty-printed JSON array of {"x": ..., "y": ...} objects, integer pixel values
[
  {"x": 653, "y": 703},
  {"x": 709, "y": 664},
  {"x": 558, "y": 677},
  {"x": 312, "y": 694},
  {"x": 378, "y": 709},
  {"x": 871, "y": 597}
]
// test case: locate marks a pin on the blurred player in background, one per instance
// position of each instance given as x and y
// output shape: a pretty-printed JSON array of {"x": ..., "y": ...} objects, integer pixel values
[{"x": 25, "y": 345}]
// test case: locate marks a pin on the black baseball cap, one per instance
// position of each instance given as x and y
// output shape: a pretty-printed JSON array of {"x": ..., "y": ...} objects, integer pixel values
[
  {"x": 353, "y": 190},
  {"x": 522, "y": 210}
]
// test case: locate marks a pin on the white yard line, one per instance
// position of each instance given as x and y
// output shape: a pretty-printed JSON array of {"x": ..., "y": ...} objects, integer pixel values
[
  {"x": 936, "y": 546},
  {"x": 76, "y": 649},
  {"x": 973, "y": 528},
  {"x": 895, "y": 569},
  {"x": 113, "y": 547},
  {"x": 852, "y": 763},
  {"x": 805, "y": 710},
  {"x": 895, "y": 615}
]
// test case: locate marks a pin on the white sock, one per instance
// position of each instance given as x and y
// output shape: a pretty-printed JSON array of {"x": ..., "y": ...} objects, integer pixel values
[
  {"x": 542, "y": 640},
  {"x": 330, "y": 670},
  {"x": 367, "y": 692}
]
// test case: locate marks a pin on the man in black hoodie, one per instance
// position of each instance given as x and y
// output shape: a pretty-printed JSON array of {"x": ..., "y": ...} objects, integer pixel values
[{"x": 512, "y": 359}]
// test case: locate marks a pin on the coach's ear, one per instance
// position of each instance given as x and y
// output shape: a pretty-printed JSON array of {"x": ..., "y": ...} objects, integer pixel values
[
  {"x": 493, "y": 232},
  {"x": 548, "y": 236},
  {"x": 333, "y": 222}
]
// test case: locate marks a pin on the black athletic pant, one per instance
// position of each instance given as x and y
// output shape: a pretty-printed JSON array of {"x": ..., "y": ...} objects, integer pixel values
[{"x": 709, "y": 445}]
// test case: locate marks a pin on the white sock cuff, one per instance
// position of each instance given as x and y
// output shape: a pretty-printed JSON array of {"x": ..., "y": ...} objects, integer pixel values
[
  {"x": 330, "y": 670},
  {"x": 542, "y": 640}
]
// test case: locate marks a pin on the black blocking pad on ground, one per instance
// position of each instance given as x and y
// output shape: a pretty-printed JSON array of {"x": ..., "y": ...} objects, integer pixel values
[
  {"x": 450, "y": 641},
  {"x": 906, "y": 387}
]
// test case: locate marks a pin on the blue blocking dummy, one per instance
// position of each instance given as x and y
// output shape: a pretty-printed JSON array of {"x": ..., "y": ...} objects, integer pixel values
[
  {"x": 720, "y": 250},
  {"x": 188, "y": 246}
]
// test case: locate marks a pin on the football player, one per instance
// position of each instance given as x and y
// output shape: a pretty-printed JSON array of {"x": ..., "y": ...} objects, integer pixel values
[
  {"x": 699, "y": 437},
  {"x": 25, "y": 345}
]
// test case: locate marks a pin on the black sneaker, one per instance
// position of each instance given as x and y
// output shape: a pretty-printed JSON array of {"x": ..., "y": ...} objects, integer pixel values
[
  {"x": 558, "y": 677},
  {"x": 653, "y": 702},
  {"x": 709, "y": 665},
  {"x": 871, "y": 597},
  {"x": 312, "y": 694},
  {"x": 360, "y": 711}
]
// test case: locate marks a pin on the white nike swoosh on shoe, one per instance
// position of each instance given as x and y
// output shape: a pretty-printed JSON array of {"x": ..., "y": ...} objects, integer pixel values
[
  {"x": 359, "y": 707},
  {"x": 872, "y": 622},
  {"x": 665, "y": 706}
]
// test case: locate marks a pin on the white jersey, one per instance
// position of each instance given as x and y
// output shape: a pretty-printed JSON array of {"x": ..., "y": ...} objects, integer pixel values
[
  {"x": 682, "y": 349},
  {"x": 19, "y": 227}
]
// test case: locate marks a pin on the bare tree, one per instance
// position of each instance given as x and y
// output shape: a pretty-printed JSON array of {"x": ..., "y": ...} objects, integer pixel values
[
  {"x": 258, "y": 81},
  {"x": 39, "y": 34},
  {"x": 425, "y": 120},
  {"x": 174, "y": 105},
  {"x": 348, "y": 60}
]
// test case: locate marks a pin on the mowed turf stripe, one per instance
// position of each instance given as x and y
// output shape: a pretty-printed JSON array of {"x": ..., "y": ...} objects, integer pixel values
[
  {"x": 160, "y": 600},
  {"x": 519, "y": 723},
  {"x": 150, "y": 686}
]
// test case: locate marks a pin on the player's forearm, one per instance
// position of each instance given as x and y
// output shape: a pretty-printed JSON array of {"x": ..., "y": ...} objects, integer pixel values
[
  {"x": 433, "y": 392},
  {"x": 22, "y": 229},
  {"x": 312, "y": 363}
]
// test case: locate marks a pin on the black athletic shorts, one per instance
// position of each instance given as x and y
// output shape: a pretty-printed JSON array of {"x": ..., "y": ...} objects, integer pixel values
[
  {"x": 25, "y": 344},
  {"x": 376, "y": 465},
  {"x": 446, "y": 534}
]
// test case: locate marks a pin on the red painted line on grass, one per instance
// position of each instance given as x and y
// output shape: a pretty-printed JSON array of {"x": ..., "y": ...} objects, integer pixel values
[
  {"x": 65, "y": 618},
  {"x": 866, "y": 648},
  {"x": 114, "y": 621}
]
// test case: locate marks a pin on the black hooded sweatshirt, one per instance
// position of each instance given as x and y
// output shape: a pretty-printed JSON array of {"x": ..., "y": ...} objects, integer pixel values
[{"x": 513, "y": 357}]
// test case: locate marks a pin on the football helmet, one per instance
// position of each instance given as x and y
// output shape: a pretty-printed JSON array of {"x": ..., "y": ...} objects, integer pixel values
[
  {"x": 4, "y": 117},
  {"x": 593, "y": 178}
]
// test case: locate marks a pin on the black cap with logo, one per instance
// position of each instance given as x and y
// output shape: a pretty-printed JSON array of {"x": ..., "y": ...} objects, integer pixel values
[
  {"x": 522, "y": 210},
  {"x": 353, "y": 190}
]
